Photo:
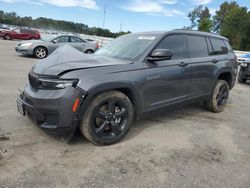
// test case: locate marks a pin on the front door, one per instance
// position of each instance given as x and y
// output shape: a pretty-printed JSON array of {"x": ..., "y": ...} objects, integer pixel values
[
  {"x": 59, "y": 41},
  {"x": 167, "y": 80}
]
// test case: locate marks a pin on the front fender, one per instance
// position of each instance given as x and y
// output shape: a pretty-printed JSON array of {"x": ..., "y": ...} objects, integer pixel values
[{"x": 134, "y": 95}]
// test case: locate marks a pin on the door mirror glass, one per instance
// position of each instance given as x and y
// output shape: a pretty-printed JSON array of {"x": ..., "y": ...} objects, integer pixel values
[{"x": 160, "y": 55}]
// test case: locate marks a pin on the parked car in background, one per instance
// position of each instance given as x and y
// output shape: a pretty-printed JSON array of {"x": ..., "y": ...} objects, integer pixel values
[
  {"x": 126, "y": 79},
  {"x": 3, "y": 28},
  {"x": 90, "y": 40},
  {"x": 244, "y": 73},
  {"x": 42, "y": 48},
  {"x": 23, "y": 34}
]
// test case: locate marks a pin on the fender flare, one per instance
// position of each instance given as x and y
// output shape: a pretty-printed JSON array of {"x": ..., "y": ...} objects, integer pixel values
[
  {"x": 225, "y": 70},
  {"x": 136, "y": 100}
]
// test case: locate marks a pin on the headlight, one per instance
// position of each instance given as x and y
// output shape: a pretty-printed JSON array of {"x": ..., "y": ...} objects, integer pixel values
[
  {"x": 45, "y": 83},
  {"x": 26, "y": 44},
  {"x": 243, "y": 64}
]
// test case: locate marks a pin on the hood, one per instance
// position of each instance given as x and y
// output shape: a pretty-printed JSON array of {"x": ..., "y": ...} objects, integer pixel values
[
  {"x": 30, "y": 41},
  {"x": 67, "y": 58}
]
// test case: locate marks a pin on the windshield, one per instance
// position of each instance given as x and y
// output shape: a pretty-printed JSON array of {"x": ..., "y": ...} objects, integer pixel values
[{"x": 127, "y": 47}]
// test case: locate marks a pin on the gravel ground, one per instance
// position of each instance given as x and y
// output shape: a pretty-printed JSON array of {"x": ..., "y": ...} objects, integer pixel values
[{"x": 186, "y": 147}]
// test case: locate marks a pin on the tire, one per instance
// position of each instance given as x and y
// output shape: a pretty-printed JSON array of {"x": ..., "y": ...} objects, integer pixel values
[
  {"x": 7, "y": 37},
  {"x": 89, "y": 52},
  {"x": 40, "y": 52},
  {"x": 219, "y": 97},
  {"x": 108, "y": 118},
  {"x": 242, "y": 80}
]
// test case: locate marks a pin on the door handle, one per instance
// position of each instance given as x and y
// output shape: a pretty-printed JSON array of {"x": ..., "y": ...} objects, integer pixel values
[
  {"x": 183, "y": 64},
  {"x": 214, "y": 61}
]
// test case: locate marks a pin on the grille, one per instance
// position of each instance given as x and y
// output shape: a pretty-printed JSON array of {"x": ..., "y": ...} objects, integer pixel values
[{"x": 34, "y": 81}]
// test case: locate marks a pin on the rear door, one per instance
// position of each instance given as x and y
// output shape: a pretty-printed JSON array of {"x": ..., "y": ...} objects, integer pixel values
[
  {"x": 167, "y": 80},
  {"x": 78, "y": 43},
  {"x": 202, "y": 65}
]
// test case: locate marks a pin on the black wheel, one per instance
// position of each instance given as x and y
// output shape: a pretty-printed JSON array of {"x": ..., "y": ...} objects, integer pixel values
[
  {"x": 219, "y": 97},
  {"x": 89, "y": 52},
  {"x": 240, "y": 79},
  {"x": 108, "y": 118},
  {"x": 7, "y": 37},
  {"x": 40, "y": 52}
]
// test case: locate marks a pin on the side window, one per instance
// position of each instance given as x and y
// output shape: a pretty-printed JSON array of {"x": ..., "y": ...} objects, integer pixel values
[
  {"x": 219, "y": 46},
  {"x": 230, "y": 49},
  {"x": 197, "y": 46},
  {"x": 17, "y": 30},
  {"x": 175, "y": 44},
  {"x": 62, "y": 39},
  {"x": 76, "y": 39}
]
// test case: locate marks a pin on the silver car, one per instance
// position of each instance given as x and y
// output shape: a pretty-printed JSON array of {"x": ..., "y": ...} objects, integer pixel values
[{"x": 42, "y": 48}]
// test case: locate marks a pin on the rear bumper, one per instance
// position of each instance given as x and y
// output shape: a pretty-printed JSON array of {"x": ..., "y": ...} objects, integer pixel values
[{"x": 51, "y": 110}]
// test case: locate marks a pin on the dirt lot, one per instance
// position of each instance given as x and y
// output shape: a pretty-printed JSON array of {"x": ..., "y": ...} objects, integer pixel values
[{"x": 187, "y": 147}]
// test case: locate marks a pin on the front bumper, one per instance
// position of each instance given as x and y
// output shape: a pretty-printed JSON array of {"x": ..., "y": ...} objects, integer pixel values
[
  {"x": 51, "y": 110},
  {"x": 24, "y": 50},
  {"x": 245, "y": 72}
]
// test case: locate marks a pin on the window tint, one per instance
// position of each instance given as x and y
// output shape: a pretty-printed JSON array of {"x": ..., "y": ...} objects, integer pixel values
[
  {"x": 175, "y": 44},
  {"x": 197, "y": 46},
  {"x": 16, "y": 30},
  {"x": 76, "y": 39},
  {"x": 228, "y": 46},
  {"x": 62, "y": 39},
  {"x": 219, "y": 46}
]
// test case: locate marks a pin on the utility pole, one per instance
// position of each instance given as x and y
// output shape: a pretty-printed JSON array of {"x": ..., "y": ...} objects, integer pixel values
[
  {"x": 104, "y": 14},
  {"x": 120, "y": 28}
]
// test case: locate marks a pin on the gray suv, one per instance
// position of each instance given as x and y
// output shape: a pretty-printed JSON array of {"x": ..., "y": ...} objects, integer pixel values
[{"x": 132, "y": 76}]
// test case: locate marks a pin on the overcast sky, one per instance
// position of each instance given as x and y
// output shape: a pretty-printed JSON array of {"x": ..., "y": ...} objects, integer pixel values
[{"x": 133, "y": 15}]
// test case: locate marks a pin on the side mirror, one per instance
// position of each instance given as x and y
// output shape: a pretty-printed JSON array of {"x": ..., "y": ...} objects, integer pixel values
[
  {"x": 160, "y": 55},
  {"x": 54, "y": 41}
]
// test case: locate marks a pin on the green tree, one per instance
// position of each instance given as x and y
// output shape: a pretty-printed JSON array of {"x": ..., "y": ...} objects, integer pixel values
[
  {"x": 61, "y": 25},
  {"x": 194, "y": 16},
  {"x": 205, "y": 25},
  {"x": 236, "y": 26},
  {"x": 220, "y": 15},
  {"x": 200, "y": 17}
]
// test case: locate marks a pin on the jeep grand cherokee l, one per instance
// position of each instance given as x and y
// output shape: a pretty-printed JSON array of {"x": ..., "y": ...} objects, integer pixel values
[{"x": 130, "y": 77}]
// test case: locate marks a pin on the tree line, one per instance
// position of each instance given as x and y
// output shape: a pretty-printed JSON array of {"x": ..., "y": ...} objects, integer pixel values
[
  {"x": 230, "y": 20},
  {"x": 60, "y": 25}
]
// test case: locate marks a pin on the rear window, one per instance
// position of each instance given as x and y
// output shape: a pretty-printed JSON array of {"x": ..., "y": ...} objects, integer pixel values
[
  {"x": 76, "y": 39},
  {"x": 197, "y": 46},
  {"x": 219, "y": 46}
]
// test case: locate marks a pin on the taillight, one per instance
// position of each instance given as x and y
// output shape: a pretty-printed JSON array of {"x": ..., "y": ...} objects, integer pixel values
[{"x": 97, "y": 45}]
